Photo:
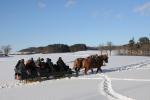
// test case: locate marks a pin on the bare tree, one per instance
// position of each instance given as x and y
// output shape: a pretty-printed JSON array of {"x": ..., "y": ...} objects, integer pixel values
[
  {"x": 101, "y": 48},
  {"x": 131, "y": 46},
  {"x": 6, "y": 49},
  {"x": 109, "y": 44}
]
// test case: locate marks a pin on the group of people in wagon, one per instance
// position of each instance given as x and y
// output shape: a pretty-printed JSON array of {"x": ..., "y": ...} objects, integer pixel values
[{"x": 39, "y": 68}]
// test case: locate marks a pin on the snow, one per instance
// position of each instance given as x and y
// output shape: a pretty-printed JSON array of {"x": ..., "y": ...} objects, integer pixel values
[
  {"x": 138, "y": 90},
  {"x": 123, "y": 78}
]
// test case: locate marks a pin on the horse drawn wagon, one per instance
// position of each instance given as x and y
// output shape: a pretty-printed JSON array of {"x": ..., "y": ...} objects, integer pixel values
[{"x": 36, "y": 71}]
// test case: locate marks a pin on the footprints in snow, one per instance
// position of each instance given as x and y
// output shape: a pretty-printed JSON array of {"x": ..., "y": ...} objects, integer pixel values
[{"x": 108, "y": 90}]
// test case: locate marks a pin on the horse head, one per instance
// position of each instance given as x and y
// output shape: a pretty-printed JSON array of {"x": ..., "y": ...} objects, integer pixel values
[{"x": 105, "y": 58}]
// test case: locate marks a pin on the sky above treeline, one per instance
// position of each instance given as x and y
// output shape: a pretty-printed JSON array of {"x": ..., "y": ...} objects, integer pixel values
[{"x": 28, "y": 23}]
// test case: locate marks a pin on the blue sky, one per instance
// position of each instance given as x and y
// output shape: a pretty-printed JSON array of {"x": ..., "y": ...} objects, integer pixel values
[{"x": 27, "y": 23}]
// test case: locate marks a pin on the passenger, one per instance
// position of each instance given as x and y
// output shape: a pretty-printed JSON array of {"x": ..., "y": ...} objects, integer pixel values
[
  {"x": 50, "y": 65},
  {"x": 16, "y": 67},
  {"x": 61, "y": 64},
  {"x": 31, "y": 67},
  {"x": 33, "y": 64},
  {"x": 21, "y": 69},
  {"x": 42, "y": 64}
]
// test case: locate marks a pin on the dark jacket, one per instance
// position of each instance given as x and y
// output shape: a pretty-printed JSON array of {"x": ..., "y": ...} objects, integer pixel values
[
  {"x": 61, "y": 64},
  {"x": 21, "y": 68},
  {"x": 50, "y": 65}
]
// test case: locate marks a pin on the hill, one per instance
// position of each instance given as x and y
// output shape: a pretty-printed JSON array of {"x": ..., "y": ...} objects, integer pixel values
[{"x": 55, "y": 48}]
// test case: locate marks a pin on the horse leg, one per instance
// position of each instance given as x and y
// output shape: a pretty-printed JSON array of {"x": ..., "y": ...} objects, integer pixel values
[
  {"x": 85, "y": 71},
  {"x": 100, "y": 69},
  {"x": 92, "y": 70}
]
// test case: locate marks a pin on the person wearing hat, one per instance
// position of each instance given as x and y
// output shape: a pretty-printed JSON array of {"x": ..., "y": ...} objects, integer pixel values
[
  {"x": 50, "y": 64},
  {"x": 61, "y": 64}
]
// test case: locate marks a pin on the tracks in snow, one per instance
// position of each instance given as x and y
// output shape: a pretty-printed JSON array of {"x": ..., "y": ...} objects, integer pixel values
[
  {"x": 140, "y": 65},
  {"x": 106, "y": 84},
  {"x": 107, "y": 90}
]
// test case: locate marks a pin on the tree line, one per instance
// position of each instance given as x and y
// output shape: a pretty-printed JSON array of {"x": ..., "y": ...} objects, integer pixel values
[
  {"x": 55, "y": 48},
  {"x": 137, "y": 48},
  {"x": 141, "y": 47}
]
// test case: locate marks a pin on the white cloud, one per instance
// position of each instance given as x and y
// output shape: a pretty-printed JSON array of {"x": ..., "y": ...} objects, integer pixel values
[
  {"x": 70, "y": 3},
  {"x": 143, "y": 9},
  {"x": 41, "y": 4}
]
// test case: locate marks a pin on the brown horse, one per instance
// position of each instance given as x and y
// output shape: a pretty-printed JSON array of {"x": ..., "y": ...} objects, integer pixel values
[
  {"x": 100, "y": 62},
  {"x": 87, "y": 64},
  {"x": 90, "y": 62},
  {"x": 78, "y": 64}
]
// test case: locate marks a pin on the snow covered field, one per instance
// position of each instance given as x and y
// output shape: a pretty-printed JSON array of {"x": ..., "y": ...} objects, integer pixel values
[{"x": 123, "y": 78}]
